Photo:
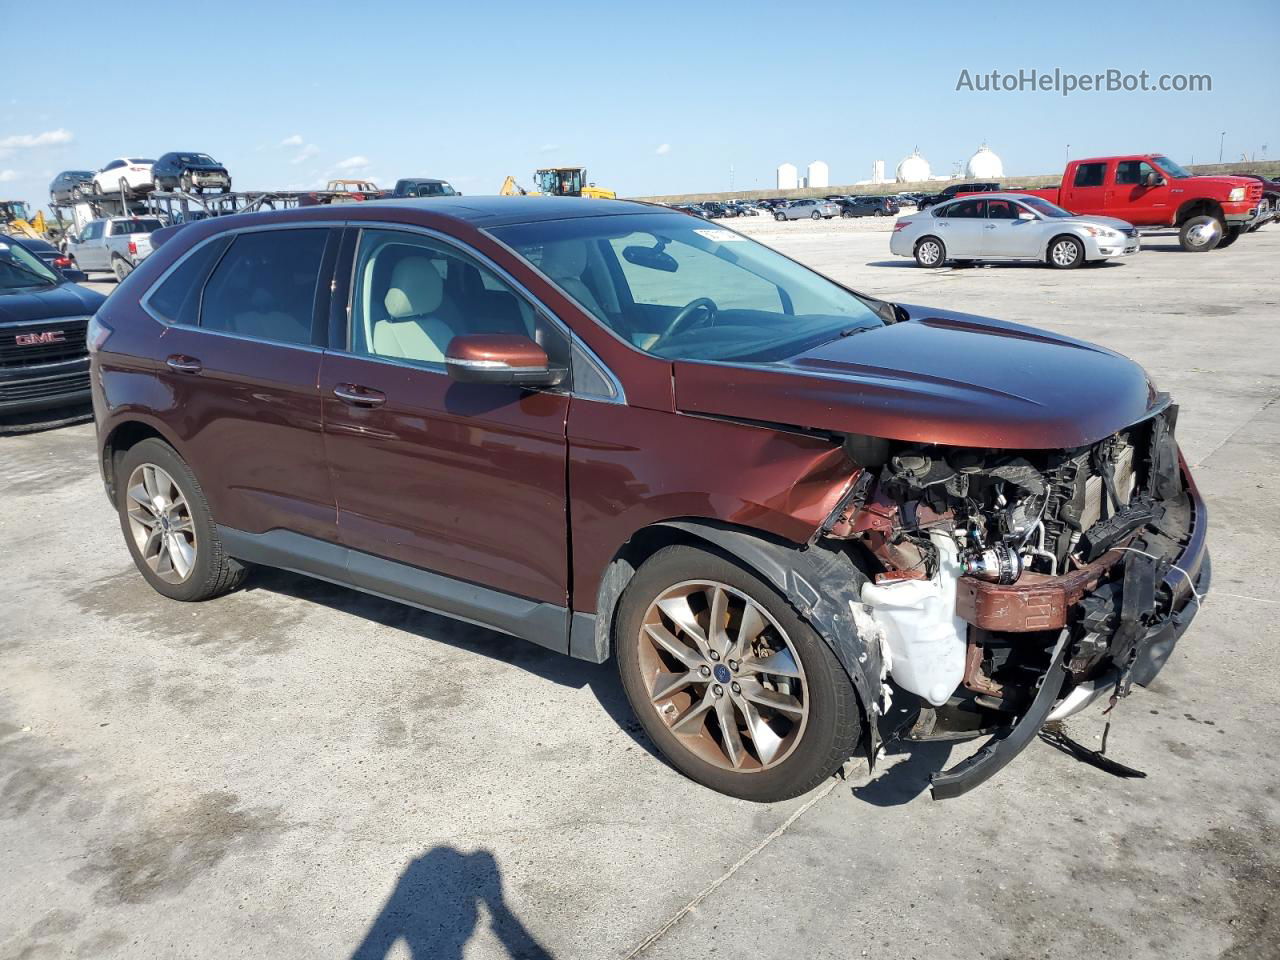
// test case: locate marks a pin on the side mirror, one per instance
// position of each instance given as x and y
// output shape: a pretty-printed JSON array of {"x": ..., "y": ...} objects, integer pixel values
[
  {"x": 1026, "y": 215},
  {"x": 507, "y": 359}
]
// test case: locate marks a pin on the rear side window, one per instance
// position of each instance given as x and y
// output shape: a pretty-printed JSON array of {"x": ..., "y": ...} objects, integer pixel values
[
  {"x": 120, "y": 227},
  {"x": 177, "y": 298},
  {"x": 1090, "y": 174},
  {"x": 265, "y": 285}
]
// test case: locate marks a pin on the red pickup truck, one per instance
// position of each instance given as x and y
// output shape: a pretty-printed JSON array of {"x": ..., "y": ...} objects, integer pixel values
[{"x": 1150, "y": 190}]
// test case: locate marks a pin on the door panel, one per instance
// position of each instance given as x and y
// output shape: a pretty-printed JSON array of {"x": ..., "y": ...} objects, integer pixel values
[
  {"x": 1006, "y": 235},
  {"x": 1088, "y": 188},
  {"x": 463, "y": 479},
  {"x": 1136, "y": 196},
  {"x": 467, "y": 480},
  {"x": 960, "y": 225}
]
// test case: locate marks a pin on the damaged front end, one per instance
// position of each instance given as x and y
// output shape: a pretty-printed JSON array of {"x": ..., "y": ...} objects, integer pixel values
[{"x": 1008, "y": 588}]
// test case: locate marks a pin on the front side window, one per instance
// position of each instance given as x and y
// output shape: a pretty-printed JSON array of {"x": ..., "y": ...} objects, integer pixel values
[
  {"x": 1133, "y": 172},
  {"x": 678, "y": 288},
  {"x": 1002, "y": 210},
  {"x": 1090, "y": 174},
  {"x": 93, "y": 231},
  {"x": 411, "y": 295},
  {"x": 265, "y": 285}
]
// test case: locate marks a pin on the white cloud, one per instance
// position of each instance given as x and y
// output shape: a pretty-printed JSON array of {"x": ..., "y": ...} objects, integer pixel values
[
  {"x": 305, "y": 154},
  {"x": 294, "y": 141},
  {"x": 663, "y": 149},
  {"x": 8, "y": 175},
  {"x": 357, "y": 162},
  {"x": 49, "y": 138},
  {"x": 549, "y": 148}
]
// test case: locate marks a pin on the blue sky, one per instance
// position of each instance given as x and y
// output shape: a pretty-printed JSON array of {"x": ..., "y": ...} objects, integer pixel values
[{"x": 653, "y": 97}]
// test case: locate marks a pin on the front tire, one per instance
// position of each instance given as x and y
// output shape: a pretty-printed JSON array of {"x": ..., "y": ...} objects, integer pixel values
[
  {"x": 931, "y": 252},
  {"x": 779, "y": 217},
  {"x": 1065, "y": 253},
  {"x": 738, "y": 692},
  {"x": 1201, "y": 234},
  {"x": 168, "y": 527}
]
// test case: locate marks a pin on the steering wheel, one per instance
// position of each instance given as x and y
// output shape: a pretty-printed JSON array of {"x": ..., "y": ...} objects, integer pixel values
[{"x": 688, "y": 317}]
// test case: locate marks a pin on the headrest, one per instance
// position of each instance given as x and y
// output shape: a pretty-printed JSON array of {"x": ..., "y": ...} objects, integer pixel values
[
  {"x": 567, "y": 258},
  {"x": 415, "y": 290}
]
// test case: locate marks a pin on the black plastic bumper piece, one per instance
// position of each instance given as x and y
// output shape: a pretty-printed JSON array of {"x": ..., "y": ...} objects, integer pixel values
[{"x": 1000, "y": 750}]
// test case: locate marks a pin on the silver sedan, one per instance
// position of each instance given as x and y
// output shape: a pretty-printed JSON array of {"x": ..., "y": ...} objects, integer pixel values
[
  {"x": 1010, "y": 226},
  {"x": 806, "y": 210}
]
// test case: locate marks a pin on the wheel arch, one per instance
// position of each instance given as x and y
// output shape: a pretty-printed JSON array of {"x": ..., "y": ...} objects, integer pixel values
[
  {"x": 1200, "y": 206},
  {"x": 123, "y": 437},
  {"x": 822, "y": 585}
]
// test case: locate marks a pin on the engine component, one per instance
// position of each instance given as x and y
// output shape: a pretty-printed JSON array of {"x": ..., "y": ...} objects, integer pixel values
[
  {"x": 996, "y": 564},
  {"x": 925, "y": 640}
]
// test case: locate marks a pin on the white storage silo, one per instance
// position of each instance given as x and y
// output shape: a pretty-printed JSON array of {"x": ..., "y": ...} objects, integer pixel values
[
  {"x": 818, "y": 175},
  {"x": 787, "y": 176},
  {"x": 877, "y": 171},
  {"x": 913, "y": 168},
  {"x": 984, "y": 165}
]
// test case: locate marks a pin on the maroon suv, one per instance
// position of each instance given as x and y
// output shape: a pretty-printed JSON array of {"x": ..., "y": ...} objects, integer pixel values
[{"x": 617, "y": 430}]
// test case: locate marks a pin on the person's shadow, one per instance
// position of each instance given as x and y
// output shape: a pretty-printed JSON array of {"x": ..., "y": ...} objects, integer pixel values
[{"x": 435, "y": 907}]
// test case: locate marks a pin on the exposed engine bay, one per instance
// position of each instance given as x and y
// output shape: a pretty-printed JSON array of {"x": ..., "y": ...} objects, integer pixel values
[{"x": 988, "y": 568}]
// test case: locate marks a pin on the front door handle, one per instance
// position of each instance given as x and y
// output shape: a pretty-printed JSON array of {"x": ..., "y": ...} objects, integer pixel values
[
  {"x": 990, "y": 226},
  {"x": 181, "y": 363},
  {"x": 356, "y": 395}
]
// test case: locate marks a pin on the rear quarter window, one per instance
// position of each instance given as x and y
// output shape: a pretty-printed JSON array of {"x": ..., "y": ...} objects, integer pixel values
[{"x": 176, "y": 299}]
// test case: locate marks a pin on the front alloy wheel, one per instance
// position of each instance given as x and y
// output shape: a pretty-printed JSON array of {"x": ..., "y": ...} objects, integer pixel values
[
  {"x": 722, "y": 675},
  {"x": 730, "y": 683}
]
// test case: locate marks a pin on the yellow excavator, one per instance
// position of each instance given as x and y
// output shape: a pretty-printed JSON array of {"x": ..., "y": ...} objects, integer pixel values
[
  {"x": 558, "y": 182},
  {"x": 16, "y": 220}
]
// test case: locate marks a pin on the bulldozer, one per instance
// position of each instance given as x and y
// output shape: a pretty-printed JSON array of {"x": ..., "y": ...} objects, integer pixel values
[
  {"x": 557, "y": 182},
  {"x": 16, "y": 220}
]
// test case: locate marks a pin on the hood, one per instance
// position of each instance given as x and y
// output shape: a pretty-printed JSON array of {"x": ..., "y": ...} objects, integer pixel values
[
  {"x": 938, "y": 377},
  {"x": 1225, "y": 181},
  {"x": 64, "y": 300}
]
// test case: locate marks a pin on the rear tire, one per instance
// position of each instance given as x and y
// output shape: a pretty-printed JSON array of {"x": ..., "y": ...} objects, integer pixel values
[
  {"x": 807, "y": 747},
  {"x": 815, "y": 215},
  {"x": 930, "y": 252},
  {"x": 121, "y": 268},
  {"x": 1201, "y": 234},
  {"x": 186, "y": 518},
  {"x": 1065, "y": 253}
]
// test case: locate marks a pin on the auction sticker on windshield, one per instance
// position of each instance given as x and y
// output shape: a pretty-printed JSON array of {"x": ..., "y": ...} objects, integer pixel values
[{"x": 720, "y": 236}]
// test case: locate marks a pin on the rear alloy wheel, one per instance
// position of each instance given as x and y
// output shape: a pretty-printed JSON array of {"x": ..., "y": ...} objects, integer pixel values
[
  {"x": 1066, "y": 253},
  {"x": 167, "y": 525},
  {"x": 931, "y": 252},
  {"x": 877, "y": 212},
  {"x": 1201, "y": 234},
  {"x": 735, "y": 689},
  {"x": 815, "y": 215}
]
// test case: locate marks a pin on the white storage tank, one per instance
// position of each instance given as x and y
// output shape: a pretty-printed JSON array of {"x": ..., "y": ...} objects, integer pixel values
[
  {"x": 913, "y": 168},
  {"x": 787, "y": 175},
  {"x": 984, "y": 165},
  {"x": 877, "y": 171},
  {"x": 818, "y": 175}
]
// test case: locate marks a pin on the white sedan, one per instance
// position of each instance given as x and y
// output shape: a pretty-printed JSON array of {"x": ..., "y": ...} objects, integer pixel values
[
  {"x": 1010, "y": 226},
  {"x": 130, "y": 174}
]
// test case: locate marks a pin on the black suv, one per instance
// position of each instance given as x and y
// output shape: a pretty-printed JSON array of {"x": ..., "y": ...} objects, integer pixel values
[
  {"x": 424, "y": 187},
  {"x": 929, "y": 199},
  {"x": 191, "y": 172},
  {"x": 43, "y": 316}
]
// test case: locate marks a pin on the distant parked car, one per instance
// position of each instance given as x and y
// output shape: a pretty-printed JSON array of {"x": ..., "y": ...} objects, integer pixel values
[
  {"x": 423, "y": 187},
  {"x": 929, "y": 199},
  {"x": 1269, "y": 205},
  {"x": 130, "y": 175},
  {"x": 807, "y": 209},
  {"x": 1010, "y": 226},
  {"x": 117, "y": 244},
  {"x": 342, "y": 191},
  {"x": 70, "y": 185},
  {"x": 715, "y": 210},
  {"x": 868, "y": 207},
  {"x": 190, "y": 172}
]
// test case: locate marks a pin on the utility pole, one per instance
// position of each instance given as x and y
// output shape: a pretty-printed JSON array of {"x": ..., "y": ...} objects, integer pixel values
[
  {"x": 1221, "y": 141},
  {"x": 1067, "y": 158}
]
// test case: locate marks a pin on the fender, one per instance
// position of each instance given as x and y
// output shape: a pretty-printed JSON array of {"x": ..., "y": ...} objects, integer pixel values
[{"x": 823, "y": 586}]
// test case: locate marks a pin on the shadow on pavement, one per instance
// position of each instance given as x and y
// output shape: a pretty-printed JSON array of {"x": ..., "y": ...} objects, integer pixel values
[
  {"x": 906, "y": 779},
  {"x": 601, "y": 678},
  {"x": 435, "y": 908}
]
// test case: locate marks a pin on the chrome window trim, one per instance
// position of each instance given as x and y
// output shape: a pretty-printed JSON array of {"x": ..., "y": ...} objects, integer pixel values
[
  {"x": 145, "y": 300},
  {"x": 619, "y": 395}
]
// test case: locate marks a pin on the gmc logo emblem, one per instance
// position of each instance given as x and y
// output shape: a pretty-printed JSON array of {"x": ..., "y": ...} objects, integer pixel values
[{"x": 35, "y": 339}]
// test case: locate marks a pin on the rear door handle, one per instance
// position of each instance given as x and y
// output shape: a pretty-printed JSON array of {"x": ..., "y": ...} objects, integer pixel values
[
  {"x": 990, "y": 226},
  {"x": 181, "y": 363},
  {"x": 356, "y": 395}
]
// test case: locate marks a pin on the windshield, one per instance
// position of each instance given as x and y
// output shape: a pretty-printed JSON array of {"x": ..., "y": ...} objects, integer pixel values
[
  {"x": 678, "y": 288},
  {"x": 1043, "y": 207},
  {"x": 429, "y": 190},
  {"x": 1171, "y": 168},
  {"x": 136, "y": 160},
  {"x": 200, "y": 158},
  {"x": 20, "y": 269}
]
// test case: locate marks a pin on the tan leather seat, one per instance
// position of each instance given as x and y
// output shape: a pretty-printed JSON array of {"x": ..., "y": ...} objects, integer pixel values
[
  {"x": 412, "y": 331},
  {"x": 564, "y": 262}
]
